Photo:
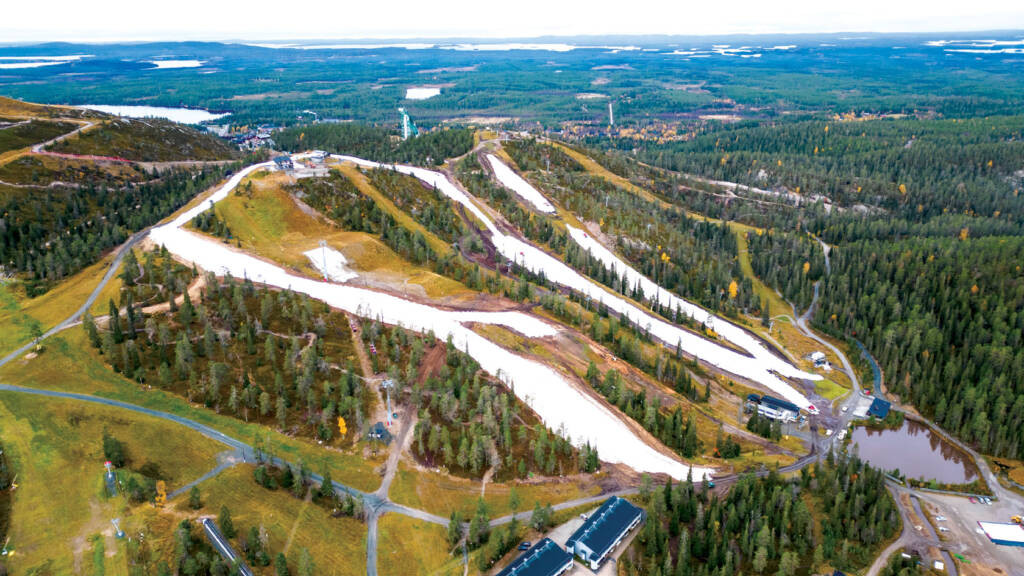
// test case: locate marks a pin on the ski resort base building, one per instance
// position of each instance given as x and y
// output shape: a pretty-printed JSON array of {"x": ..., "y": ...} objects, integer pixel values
[
  {"x": 773, "y": 408},
  {"x": 545, "y": 558},
  {"x": 604, "y": 530}
]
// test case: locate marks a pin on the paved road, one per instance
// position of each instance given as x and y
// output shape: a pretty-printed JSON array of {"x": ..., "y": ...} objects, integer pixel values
[{"x": 225, "y": 460}]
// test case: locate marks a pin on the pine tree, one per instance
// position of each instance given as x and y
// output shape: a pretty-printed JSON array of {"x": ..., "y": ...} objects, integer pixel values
[{"x": 227, "y": 527}]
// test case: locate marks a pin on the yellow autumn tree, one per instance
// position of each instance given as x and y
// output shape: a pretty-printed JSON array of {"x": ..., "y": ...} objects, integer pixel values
[
  {"x": 965, "y": 233},
  {"x": 342, "y": 426},
  {"x": 903, "y": 188},
  {"x": 807, "y": 267},
  {"x": 733, "y": 289}
]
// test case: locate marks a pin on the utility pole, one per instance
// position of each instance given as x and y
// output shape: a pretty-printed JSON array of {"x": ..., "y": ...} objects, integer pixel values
[{"x": 323, "y": 251}]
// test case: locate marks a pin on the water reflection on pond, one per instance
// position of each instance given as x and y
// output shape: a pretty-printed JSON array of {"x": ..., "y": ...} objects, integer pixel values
[{"x": 916, "y": 451}]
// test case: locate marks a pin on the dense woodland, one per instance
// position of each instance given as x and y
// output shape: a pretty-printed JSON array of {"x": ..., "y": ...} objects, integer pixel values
[
  {"x": 944, "y": 317},
  {"x": 790, "y": 262},
  {"x": 469, "y": 423},
  {"x": 837, "y": 513},
  {"x": 47, "y": 235},
  {"x": 379, "y": 144},
  {"x": 915, "y": 168},
  {"x": 822, "y": 73},
  {"x": 275, "y": 357}
]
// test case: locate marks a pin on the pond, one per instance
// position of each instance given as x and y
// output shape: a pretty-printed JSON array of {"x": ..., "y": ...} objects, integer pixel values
[
  {"x": 183, "y": 115},
  {"x": 916, "y": 452}
]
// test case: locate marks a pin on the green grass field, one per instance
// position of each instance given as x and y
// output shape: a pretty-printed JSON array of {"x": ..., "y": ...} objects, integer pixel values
[
  {"x": 337, "y": 545},
  {"x": 18, "y": 314},
  {"x": 441, "y": 494},
  {"x": 55, "y": 447},
  {"x": 406, "y": 546}
]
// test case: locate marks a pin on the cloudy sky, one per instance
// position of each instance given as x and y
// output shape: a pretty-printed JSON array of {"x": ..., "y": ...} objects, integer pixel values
[{"x": 262, "y": 20}]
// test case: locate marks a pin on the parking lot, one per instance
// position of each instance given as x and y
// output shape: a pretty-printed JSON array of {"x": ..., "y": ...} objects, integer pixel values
[{"x": 963, "y": 535}]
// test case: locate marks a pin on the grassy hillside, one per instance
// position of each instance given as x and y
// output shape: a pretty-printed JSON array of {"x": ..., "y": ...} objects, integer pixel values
[
  {"x": 19, "y": 135},
  {"x": 147, "y": 140}
]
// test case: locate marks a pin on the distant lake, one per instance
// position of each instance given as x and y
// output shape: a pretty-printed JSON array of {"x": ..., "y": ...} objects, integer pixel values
[
  {"x": 182, "y": 115},
  {"x": 915, "y": 451}
]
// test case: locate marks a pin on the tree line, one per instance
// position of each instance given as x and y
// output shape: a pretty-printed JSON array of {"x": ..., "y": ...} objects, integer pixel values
[
  {"x": 837, "y": 513},
  {"x": 377, "y": 143},
  {"x": 51, "y": 234}
]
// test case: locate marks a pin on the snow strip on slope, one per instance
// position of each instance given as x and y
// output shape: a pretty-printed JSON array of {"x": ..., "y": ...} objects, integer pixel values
[
  {"x": 765, "y": 361},
  {"x": 553, "y": 398},
  {"x": 336, "y": 265},
  {"x": 517, "y": 184}
]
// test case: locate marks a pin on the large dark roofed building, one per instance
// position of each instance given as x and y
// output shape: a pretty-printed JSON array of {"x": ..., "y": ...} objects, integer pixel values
[
  {"x": 604, "y": 530},
  {"x": 879, "y": 408},
  {"x": 545, "y": 558}
]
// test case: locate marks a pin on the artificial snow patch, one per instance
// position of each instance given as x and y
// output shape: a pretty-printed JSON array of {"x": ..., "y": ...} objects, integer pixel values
[
  {"x": 517, "y": 184},
  {"x": 335, "y": 267}
]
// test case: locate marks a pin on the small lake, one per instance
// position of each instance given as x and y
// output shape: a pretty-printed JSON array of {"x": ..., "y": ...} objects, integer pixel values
[
  {"x": 182, "y": 115},
  {"x": 916, "y": 451}
]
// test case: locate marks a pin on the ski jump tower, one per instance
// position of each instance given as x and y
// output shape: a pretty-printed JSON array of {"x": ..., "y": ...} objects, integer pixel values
[{"x": 408, "y": 128}]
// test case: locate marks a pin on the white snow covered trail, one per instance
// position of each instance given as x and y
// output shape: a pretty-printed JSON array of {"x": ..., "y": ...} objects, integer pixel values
[
  {"x": 519, "y": 185},
  {"x": 551, "y": 396},
  {"x": 761, "y": 367},
  {"x": 331, "y": 263}
]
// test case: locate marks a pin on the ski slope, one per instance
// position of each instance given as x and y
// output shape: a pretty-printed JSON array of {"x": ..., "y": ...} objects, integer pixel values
[
  {"x": 558, "y": 403},
  {"x": 760, "y": 366}
]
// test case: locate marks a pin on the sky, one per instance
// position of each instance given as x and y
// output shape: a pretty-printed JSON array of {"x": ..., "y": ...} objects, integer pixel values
[{"x": 265, "y": 20}]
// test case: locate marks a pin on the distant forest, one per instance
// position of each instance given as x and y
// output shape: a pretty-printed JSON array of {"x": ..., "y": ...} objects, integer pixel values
[{"x": 378, "y": 144}]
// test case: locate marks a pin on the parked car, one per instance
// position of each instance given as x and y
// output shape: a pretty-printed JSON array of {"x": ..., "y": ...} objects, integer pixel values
[
  {"x": 524, "y": 546},
  {"x": 973, "y": 500},
  {"x": 943, "y": 529}
]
